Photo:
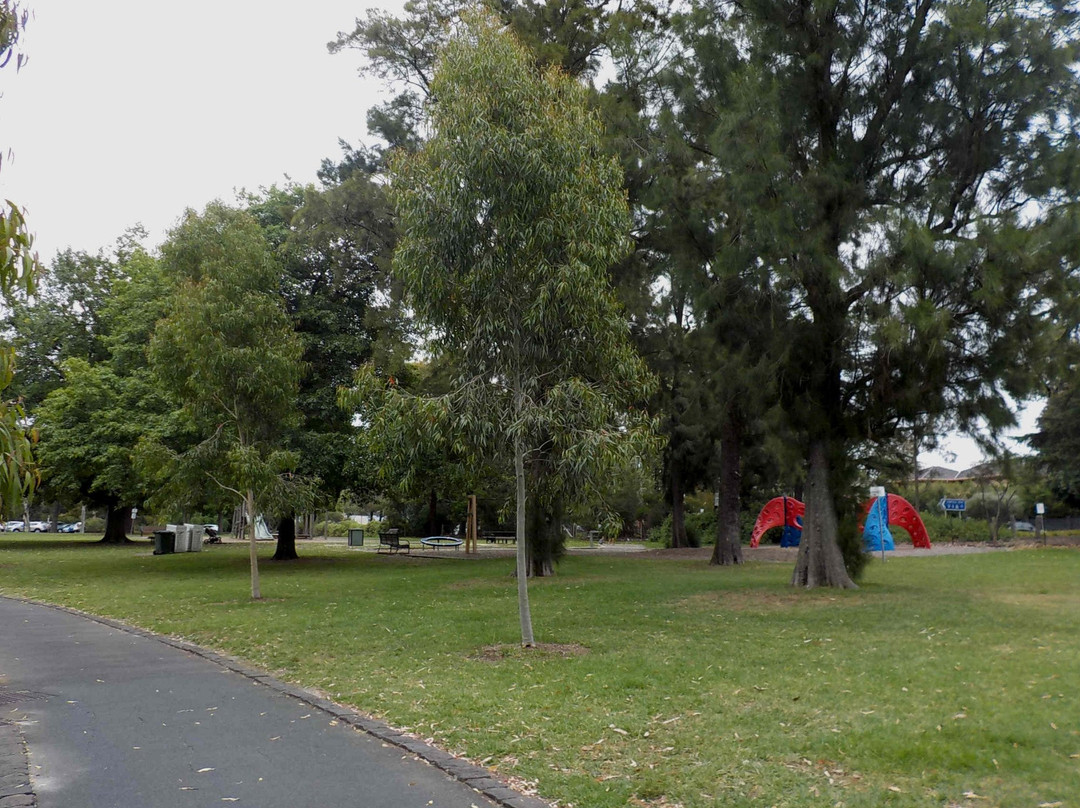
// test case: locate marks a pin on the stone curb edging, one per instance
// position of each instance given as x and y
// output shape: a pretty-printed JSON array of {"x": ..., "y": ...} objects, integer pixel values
[
  {"x": 16, "y": 790},
  {"x": 475, "y": 777}
]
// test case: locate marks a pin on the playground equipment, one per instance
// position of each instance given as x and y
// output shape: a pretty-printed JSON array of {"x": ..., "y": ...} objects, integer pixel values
[
  {"x": 785, "y": 512},
  {"x": 891, "y": 509},
  {"x": 878, "y": 515}
]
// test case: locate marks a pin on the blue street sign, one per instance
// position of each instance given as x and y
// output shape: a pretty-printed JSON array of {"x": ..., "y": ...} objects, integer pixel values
[{"x": 954, "y": 504}]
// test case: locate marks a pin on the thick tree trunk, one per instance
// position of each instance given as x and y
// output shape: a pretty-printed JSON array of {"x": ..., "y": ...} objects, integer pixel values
[
  {"x": 545, "y": 541},
  {"x": 820, "y": 562},
  {"x": 433, "y": 513},
  {"x": 286, "y": 538},
  {"x": 253, "y": 553},
  {"x": 54, "y": 517},
  {"x": 678, "y": 507},
  {"x": 116, "y": 524},
  {"x": 524, "y": 613},
  {"x": 728, "y": 548}
]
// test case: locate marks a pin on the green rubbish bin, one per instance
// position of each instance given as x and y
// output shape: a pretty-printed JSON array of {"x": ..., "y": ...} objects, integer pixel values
[
  {"x": 164, "y": 542},
  {"x": 356, "y": 537}
]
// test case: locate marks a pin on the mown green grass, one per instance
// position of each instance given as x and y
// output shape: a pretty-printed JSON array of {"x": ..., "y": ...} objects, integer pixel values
[{"x": 948, "y": 681}]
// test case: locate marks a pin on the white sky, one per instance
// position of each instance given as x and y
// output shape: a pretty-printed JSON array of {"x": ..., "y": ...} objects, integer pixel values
[
  {"x": 132, "y": 110},
  {"x": 958, "y": 452}
]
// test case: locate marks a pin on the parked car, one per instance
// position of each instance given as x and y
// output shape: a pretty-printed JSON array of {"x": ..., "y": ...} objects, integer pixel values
[
  {"x": 1025, "y": 527},
  {"x": 70, "y": 527},
  {"x": 15, "y": 526}
]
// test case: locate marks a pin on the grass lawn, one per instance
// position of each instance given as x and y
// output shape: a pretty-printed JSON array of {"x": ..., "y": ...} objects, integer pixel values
[{"x": 952, "y": 680}]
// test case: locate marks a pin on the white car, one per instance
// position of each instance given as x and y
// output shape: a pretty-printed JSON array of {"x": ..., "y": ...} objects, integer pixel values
[
  {"x": 15, "y": 526},
  {"x": 39, "y": 527}
]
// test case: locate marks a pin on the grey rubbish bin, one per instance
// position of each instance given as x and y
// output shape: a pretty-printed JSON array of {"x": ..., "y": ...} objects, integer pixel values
[
  {"x": 356, "y": 537},
  {"x": 164, "y": 542}
]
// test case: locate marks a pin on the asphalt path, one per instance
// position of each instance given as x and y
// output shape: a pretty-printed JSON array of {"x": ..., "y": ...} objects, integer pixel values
[{"x": 112, "y": 719}]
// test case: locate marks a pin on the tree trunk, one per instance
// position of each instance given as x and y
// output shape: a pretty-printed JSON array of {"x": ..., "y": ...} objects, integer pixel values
[
  {"x": 116, "y": 524},
  {"x": 820, "y": 562},
  {"x": 728, "y": 548},
  {"x": 433, "y": 513},
  {"x": 286, "y": 538},
  {"x": 522, "y": 561},
  {"x": 253, "y": 554},
  {"x": 678, "y": 507},
  {"x": 54, "y": 517},
  {"x": 545, "y": 542}
]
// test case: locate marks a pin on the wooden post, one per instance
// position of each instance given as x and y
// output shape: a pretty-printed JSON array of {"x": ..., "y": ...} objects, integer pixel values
[{"x": 470, "y": 526}]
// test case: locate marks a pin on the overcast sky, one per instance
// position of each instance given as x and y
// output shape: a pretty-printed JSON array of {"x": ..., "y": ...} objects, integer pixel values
[{"x": 129, "y": 111}]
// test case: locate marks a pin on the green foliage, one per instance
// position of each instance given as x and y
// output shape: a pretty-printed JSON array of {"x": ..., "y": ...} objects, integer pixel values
[
  {"x": 339, "y": 528},
  {"x": 510, "y": 217},
  {"x": 1058, "y": 442},
  {"x": 228, "y": 352},
  {"x": 89, "y": 427},
  {"x": 18, "y": 262},
  {"x": 942, "y": 528},
  {"x": 333, "y": 248},
  {"x": 18, "y": 273},
  {"x": 901, "y": 173},
  {"x": 104, "y": 400}
]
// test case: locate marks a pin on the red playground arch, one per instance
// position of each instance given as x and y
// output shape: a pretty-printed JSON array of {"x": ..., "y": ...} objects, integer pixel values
[
  {"x": 902, "y": 514},
  {"x": 787, "y": 512},
  {"x": 779, "y": 512}
]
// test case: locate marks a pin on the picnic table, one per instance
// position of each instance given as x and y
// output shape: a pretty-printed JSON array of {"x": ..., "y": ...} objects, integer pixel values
[{"x": 496, "y": 536}]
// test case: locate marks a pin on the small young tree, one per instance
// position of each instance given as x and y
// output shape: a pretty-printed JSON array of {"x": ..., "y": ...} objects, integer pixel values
[
  {"x": 509, "y": 217},
  {"x": 229, "y": 353}
]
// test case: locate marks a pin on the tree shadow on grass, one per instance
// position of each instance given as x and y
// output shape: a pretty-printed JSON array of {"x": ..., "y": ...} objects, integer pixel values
[{"x": 66, "y": 544}]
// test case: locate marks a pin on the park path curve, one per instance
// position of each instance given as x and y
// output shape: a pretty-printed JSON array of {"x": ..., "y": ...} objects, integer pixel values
[{"x": 117, "y": 717}]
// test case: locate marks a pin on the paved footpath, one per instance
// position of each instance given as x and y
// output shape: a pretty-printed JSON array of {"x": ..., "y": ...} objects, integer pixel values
[{"x": 106, "y": 717}]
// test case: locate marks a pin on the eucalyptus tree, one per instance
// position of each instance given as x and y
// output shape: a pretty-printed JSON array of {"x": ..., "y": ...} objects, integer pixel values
[
  {"x": 18, "y": 270},
  {"x": 509, "y": 217},
  {"x": 922, "y": 150},
  {"x": 228, "y": 352},
  {"x": 400, "y": 50}
]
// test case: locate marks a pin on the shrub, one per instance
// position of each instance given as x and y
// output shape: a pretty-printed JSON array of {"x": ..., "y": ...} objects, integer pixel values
[
  {"x": 340, "y": 528},
  {"x": 700, "y": 528},
  {"x": 94, "y": 524},
  {"x": 949, "y": 528}
]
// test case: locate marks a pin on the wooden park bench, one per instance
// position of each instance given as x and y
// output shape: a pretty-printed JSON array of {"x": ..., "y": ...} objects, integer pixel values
[
  {"x": 390, "y": 540},
  {"x": 496, "y": 536}
]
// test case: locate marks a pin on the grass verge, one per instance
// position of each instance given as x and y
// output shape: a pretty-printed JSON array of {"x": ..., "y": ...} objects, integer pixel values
[{"x": 947, "y": 681}]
